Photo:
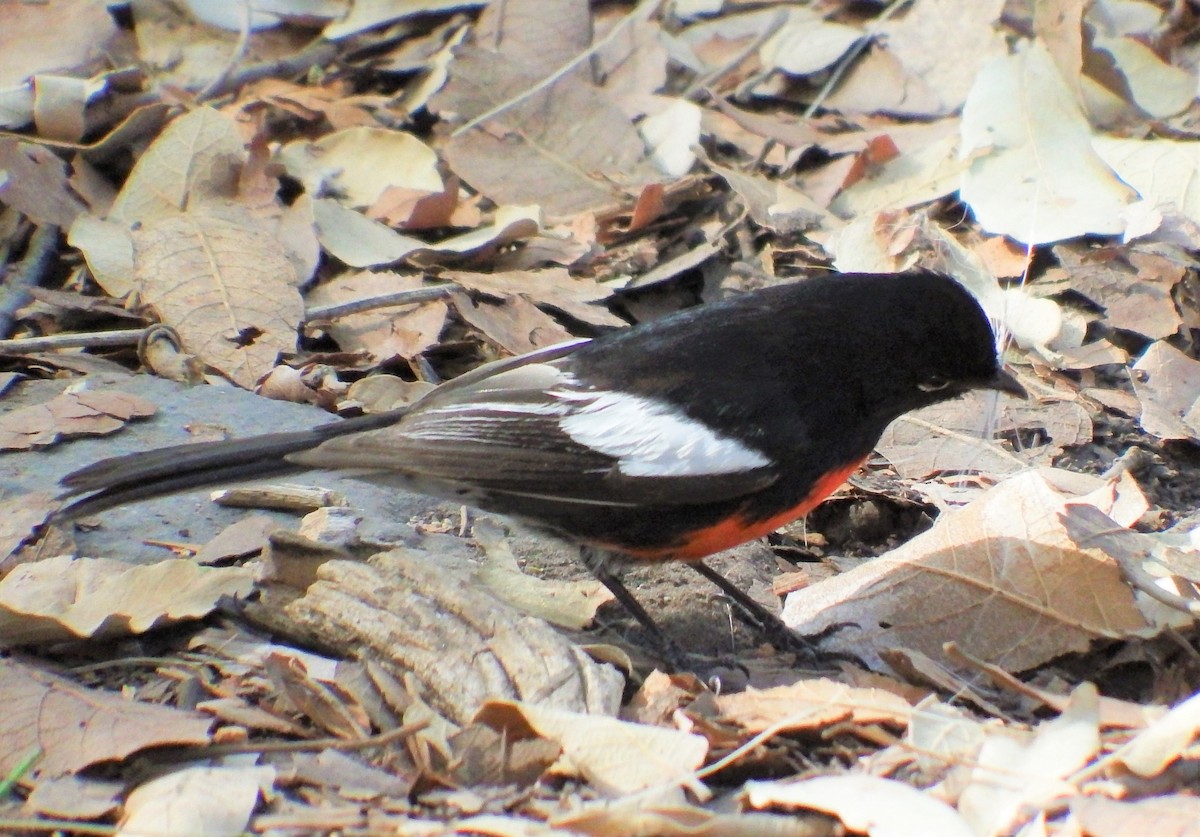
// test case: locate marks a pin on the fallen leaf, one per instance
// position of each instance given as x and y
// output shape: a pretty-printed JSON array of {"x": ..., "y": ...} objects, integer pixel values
[
  {"x": 196, "y": 159},
  {"x": 199, "y": 801},
  {"x": 568, "y": 604},
  {"x": 1034, "y": 176},
  {"x": 34, "y": 183},
  {"x": 565, "y": 148},
  {"x": 65, "y": 598},
  {"x": 1167, "y": 384},
  {"x": 1014, "y": 774},
  {"x": 1000, "y": 576},
  {"x": 218, "y": 276},
  {"x": 615, "y": 757},
  {"x": 358, "y": 164},
  {"x": 76, "y": 727},
  {"x": 81, "y": 413},
  {"x": 895, "y": 809},
  {"x": 812, "y": 704}
]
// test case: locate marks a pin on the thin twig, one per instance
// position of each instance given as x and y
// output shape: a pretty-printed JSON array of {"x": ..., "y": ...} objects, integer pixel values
[
  {"x": 43, "y": 244},
  {"x": 235, "y": 58},
  {"x": 642, "y": 10},
  {"x": 355, "y": 306},
  {"x": 73, "y": 340}
]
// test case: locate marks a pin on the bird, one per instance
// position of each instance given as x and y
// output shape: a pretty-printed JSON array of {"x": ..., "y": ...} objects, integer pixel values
[{"x": 670, "y": 440}]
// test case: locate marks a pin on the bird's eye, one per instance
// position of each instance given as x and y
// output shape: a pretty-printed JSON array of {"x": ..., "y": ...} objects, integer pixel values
[{"x": 933, "y": 383}]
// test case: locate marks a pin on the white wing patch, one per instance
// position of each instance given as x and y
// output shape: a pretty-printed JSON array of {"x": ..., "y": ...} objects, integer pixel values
[{"x": 651, "y": 439}]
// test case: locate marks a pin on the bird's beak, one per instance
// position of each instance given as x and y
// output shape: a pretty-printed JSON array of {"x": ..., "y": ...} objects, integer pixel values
[{"x": 1003, "y": 381}]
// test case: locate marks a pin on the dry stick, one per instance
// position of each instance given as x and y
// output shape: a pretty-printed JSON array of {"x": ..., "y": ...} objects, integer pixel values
[
  {"x": 98, "y": 339},
  {"x": 355, "y": 306},
  {"x": 31, "y": 271},
  {"x": 644, "y": 9},
  {"x": 132, "y": 336},
  {"x": 235, "y": 58}
]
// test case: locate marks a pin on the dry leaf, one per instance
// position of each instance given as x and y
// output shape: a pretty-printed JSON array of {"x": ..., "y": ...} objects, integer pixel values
[
  {"x": 554, "y": 288},
  {"x": 615, "y": 757},
  {"x": 1001, "y": 577},
  {"x": 895, "y": 809},
  {"x": 82, "y": 413},
  {"x": 568, "y": 604},
  {"x": 1014, "y": 774},
  {"x": 76, "y": 727},
  {"x": 66, "y": 598},
  {"x": 1167, "y": 384},
  {"x": 565, "y": 148},
  {"x": 812, "y": 704},
  {"x": 396, "y": 331},
  {"x": 200, "y": 801},
  {"x": 34, "y": 182},
  {"x": 358, "y": 164},
  {"x": 1034, "y": 176},
  {"x": 219, "y": 277},
  {"x": 515, "y": 325},
  {"x": 1164, "y": 816},
  {"x": 1164, "y": 741},
  {"x": 196, "y": 159}
]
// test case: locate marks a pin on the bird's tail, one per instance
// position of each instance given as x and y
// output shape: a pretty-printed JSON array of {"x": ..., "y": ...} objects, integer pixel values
[{"x": 156, "y": 473}]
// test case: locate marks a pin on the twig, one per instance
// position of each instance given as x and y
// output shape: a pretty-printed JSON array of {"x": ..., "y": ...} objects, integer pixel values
[
  {"x": 235, "y": 58},
  {"x": 33, "y": 268},
  {"x": 73, "y": 340},
  {"x": 643, "y": 9},
  {"x": 355, "y": 306}
]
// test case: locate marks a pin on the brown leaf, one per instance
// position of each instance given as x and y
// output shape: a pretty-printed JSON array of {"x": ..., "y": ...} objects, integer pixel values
[
  {"x": 811, "y": 705},
  {"x": 196, "y": 159},
  {"x": 76, "y": 727},
  {"x": 516, "y": 325},
  {"x": 70, "y": 414},
  {"x": 1000, "y": 576},
  {"x": 200, "y": 800},
  {"x": 64, "y": 598},
  {"x": 35, "y": 183},
  {"x": 616, "y": 757},
  {"x": 399, "y": 331},
  {"x": 1166, "y": 816},
  {"x": 222, "y": 281},
  {"x": 566, "y": 148},
  {"x": 555, "y": 288},
  {"x": 1167, "y": 384}
]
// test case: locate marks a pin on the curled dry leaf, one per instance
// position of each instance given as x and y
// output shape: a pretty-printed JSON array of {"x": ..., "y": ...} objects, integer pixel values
[
  {"x": 412, "y": 614},
  {"x": 895, "y": 809},
  {"x": 569, "y": 604},
  {"x": 76, "y": 727},
  {"x": 83, "y": 413},
  {"x": 65, "y": 598},
  {"x": 1000, "y": 576},
  {"x": 615, "y": 757},
  {"x": 1015, "y": 773},
  {"x": 813, "y": 704}
]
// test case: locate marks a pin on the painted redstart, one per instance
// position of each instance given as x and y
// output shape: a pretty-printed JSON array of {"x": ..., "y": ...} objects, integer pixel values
[{"x": 670, "y": 440}]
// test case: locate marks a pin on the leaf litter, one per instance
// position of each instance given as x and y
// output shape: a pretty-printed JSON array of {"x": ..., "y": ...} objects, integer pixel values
[{"x": 342, "y": 209}]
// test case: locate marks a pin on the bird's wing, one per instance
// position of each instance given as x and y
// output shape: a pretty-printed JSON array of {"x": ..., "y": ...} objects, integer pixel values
[{"x": 533, "y": 430}]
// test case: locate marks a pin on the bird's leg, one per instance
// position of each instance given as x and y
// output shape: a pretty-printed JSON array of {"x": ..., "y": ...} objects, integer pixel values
[
  {"x": 757, "y": 616},
  {"x": 599, "y": 562}
]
